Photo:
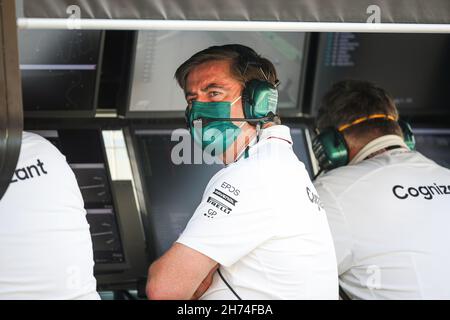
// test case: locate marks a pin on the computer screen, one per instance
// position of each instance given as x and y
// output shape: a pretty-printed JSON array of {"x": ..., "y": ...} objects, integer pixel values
[
  {"x": 434, "y": 144},
  {"x": 159, "y": 53},
  {"x": 59, "y": 69},
  {"x": 173, "y": 191},
  {"x": 84, "y": 153},
  {"x": 413, "y": 68}
]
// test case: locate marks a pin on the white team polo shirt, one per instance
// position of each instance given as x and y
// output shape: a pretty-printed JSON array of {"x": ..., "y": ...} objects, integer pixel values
[
  {"x": 390, "y": 220},
  {"x": 261, "y": 220},
  {"x": 45, "y": 245}
]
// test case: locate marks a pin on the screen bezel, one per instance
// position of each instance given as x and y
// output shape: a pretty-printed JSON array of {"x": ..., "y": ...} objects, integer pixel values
[
  {"x": 125, "y": 111},
  {"x": 90, "y": 113},
  {"x": 312, "y": 101},
  {"x": 102, "y": 268}
]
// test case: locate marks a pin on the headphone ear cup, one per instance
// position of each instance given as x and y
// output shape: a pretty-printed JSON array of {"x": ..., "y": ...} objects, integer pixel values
[
  {"x": 330, "y": 149},
  {"x": 408, "y": 135},
  {"x": 259, "y": 99}
]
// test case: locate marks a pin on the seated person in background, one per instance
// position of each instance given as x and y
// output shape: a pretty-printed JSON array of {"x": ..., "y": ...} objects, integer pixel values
[
  {"x": 45, "y": 244},
  {"x": 388, "y": 206},
  {"x": 265, "y": 240}
]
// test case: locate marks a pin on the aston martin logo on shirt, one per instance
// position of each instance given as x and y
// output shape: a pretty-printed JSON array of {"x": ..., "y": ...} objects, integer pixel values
[{"x": 225, "y": 197}]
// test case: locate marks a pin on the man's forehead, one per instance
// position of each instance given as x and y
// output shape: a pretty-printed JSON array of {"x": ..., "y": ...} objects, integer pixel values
[
  {"x": 211, "y": 72},
  {"x": 212, "y": 65}
]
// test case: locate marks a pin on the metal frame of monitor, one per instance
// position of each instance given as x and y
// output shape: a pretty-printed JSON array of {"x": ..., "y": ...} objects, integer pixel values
[
  {"x": 120, "y": 266},
  {"x": 11, "y": 118},
  {"x": 140, "y": 186},
  {"x": 295, "y": 112},
  {"x": 76, "y": 113},
  {"x": 313, "y": 160},
  {"x": 104, "y": 267},
  {"x": 431, "y": 131}
]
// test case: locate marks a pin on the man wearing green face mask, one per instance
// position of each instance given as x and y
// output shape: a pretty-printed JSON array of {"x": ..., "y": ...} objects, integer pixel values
[
  {"x": 260, "y": 231},
  {"x": 215, "y": 136}
]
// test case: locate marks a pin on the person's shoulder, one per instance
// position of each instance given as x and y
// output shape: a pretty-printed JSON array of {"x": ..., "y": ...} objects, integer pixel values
[
  {"x": 386, "y": 165},
  {"x": 33, "y": 138},
  {"x": 417, "y": 157},
  {"x": 347, "y": 172},
  {"x": 340, "y": 179},
  {"x": 430, "y": 167},
  {"x": 35, "y": 144},
  {"x": 402, "y": 163}
]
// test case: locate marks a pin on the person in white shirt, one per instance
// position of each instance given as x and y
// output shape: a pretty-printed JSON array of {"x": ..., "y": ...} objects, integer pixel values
[
  {"x": 45, "y": 244},
  {"x": 388, "y": 206},
  {"x": 254, "y": 235}
]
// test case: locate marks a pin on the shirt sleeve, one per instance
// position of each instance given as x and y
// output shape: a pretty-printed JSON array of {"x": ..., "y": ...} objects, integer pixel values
[
  {"x": 339, "y": 227},
  {"x": 233, "y": 218}
]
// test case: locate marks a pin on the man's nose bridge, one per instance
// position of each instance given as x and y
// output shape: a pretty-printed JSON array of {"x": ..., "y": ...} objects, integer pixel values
[{"x": 202, "y": 98}]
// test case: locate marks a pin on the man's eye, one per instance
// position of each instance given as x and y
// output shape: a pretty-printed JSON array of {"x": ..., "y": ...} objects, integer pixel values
[{"x": 214, "y": 93}]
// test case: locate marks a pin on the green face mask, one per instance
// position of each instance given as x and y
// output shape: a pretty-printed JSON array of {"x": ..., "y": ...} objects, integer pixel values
[{"x": 214, "y": 136}]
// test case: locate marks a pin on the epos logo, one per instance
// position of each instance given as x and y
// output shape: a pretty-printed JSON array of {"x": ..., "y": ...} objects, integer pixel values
[{"x": 230, "y": 188}]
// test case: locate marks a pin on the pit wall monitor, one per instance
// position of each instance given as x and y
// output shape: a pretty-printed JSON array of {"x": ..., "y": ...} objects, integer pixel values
[
  {"x": 413, "y": 68},
  {"x": 85, "y": 154},
  {"x": 434, "y": 143},
  {"x": 170, "y": 192},
  {"x": 60, "y": 72},
  {"x": 155, "y": 93}
]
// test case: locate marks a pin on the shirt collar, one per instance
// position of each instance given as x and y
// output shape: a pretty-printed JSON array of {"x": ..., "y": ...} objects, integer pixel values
[
  {"x": 278, "y": 132},
  {"x": 378, "y": 144}
]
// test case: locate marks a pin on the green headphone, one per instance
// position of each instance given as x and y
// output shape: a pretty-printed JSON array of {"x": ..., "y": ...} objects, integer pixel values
[
  {"x": 259, "y": 97},
  {"x": 331, "y": 150},
  {"x": 259, "y": 100}
]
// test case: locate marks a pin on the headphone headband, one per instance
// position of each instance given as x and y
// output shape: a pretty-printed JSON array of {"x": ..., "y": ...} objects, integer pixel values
[
  {"x": 331, "y": 149},
  {"x": 362, "y": 119}
]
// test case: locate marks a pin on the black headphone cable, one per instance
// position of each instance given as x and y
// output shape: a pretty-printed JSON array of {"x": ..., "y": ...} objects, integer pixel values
[
  {"x": 317, "y": 174},
  {"x": 228, "y": 285}
]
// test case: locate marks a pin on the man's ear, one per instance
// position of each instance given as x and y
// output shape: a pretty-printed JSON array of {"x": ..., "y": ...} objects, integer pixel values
[{"x": 354, "y": 145}]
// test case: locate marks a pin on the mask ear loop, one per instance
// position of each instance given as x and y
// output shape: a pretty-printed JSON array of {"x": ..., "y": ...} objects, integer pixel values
[
  {"x": 258, "y": 131},
  {"x": 235, "y": 100}
]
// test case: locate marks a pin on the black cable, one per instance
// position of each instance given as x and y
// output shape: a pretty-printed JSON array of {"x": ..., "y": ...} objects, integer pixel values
[
  {"x": 229, "y": 287},
  {"x": 271, "y": 117},
  {"x": 343, "y": 295},
  {"x": 123, "y": 295},
  {"x": 317, "y": 174}
]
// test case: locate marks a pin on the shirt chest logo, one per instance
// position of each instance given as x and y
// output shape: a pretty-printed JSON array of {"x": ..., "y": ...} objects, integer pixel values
[
  {"x": 225, "y": 197},
  {"x": 29, "y": 172},
  {"x": 427, "y": 192},
  {"x": 314, "y": 198},
  {"x": 219, "y": 205}
]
